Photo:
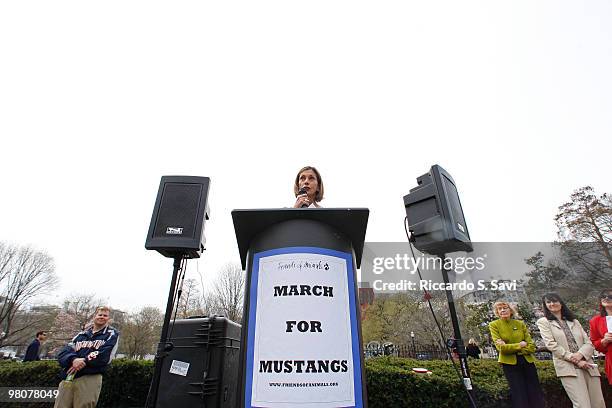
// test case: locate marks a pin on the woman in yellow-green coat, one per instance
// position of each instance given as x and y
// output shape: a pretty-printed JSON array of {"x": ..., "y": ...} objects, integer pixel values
[{"x": 516, "y": 349}]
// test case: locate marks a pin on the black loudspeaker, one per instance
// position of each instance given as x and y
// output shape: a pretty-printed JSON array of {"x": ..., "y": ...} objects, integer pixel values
[
  {"x": 177, "y": 223},
  {"x": 435, "y": 216},
  {"x": 201, "y": 370}
]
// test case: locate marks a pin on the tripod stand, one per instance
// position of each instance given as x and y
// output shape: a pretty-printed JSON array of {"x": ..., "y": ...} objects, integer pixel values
[{"x": 164, "y": 345}]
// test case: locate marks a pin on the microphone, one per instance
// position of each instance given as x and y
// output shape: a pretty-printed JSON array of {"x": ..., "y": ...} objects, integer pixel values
[{"x": 303, "y": 191}]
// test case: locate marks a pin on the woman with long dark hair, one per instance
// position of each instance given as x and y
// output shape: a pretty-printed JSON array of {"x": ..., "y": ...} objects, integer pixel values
[
  {"x": 601, "y": 333},
  {"x": 572, "y": 352}
]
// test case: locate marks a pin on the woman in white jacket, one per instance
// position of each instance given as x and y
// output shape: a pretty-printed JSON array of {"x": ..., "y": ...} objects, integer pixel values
[{"x": 572, "y": 353}]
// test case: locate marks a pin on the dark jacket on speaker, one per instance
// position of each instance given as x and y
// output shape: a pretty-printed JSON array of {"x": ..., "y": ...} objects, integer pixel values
[{"x": 98, "y": 349}]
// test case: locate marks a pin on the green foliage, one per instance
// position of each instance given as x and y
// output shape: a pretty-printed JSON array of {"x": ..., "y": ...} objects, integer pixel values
[
  {"x": 584, "y": 308},
  {"x": 541, "y": 278},
  {"x": 477, "y": 318},
  {"x": 527, "y": 315},
  {"x": 394, "y": 381},
  {"x": 126, "y": 382},
  {"x": 387, "y": 318},
  {"x": 390, "y": 383},
  {"x": 36, "y": 373},
  {"x": 393, "y": 318}
]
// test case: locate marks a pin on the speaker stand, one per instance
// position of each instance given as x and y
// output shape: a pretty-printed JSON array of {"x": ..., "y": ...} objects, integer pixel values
[
  {"x": 463, "y": 362},
  {"x": 164, "y": 345}
]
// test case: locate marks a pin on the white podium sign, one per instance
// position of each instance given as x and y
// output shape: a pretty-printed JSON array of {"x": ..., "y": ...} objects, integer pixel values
[{"x": 303, "y": 341}]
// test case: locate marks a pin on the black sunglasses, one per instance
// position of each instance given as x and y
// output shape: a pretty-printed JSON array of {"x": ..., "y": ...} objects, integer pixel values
[{"x": 607, "y": 297}]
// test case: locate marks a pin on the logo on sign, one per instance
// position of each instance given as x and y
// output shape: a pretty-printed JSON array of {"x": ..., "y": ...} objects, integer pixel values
[{"x": 174, "y": 231}]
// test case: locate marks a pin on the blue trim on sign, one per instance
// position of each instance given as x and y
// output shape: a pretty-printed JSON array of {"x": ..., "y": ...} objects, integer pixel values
[
  {"x": 353, "y": 316},
  {"x": 251, "y": 334}
]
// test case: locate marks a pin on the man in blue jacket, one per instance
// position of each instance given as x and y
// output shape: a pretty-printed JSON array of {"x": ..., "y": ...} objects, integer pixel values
[
  {"x": 84, "y": 360},
  {"x": 33, "y": 351}
]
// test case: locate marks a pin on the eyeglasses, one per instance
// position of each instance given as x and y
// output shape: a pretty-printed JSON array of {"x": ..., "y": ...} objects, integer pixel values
[
  {"x": 606, "y": 297},
  {"x": 552, "y": 301}
]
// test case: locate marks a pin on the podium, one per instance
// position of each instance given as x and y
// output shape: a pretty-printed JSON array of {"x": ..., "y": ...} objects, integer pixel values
[{"x": 301, "y": 331}]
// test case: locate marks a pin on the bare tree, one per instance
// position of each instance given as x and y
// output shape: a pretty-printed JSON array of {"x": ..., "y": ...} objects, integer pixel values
[
  {"x": 228, "y": 293},
  {"x": 191, "y": 301},
  {"x": 83, "y": 307},
  {"x": 24, "y": 274},
  {"x": 585, "y": 244},
  {"x": 29, "y": 320},
  {"x": 393, "y": 317},
  {"x": 587, "y": 218},
  {"x": 74, "y": 315},
  {"x": 141, "y": 332},
  {"x": 65, "y": 327}
]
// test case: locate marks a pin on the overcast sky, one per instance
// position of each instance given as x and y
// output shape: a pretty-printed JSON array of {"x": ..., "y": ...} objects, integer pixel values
[{"x": 99, "y": 100}]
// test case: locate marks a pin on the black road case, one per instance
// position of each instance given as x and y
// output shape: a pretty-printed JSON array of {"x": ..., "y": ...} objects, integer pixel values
[{"x": 202, "y": 368}]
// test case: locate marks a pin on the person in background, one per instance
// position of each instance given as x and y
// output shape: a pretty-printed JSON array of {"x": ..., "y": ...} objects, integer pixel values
[
  {"x": 472, "y": 349},
  {"x": 515, "y": 346},
  {"x": 308, "y": 188},
  {"x": 601, "y": 330},
  {"x": 572, "y": 352},
  {"x": 33, "y": 351}
]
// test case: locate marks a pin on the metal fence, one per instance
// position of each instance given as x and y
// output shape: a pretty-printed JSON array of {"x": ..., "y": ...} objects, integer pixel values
[
  {"x": 400, "y": 350},
  {"x": 433, "y": 352}
]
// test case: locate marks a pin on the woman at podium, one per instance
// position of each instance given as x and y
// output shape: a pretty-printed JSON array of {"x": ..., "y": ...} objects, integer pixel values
[{"x": 308, "y": 188}]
